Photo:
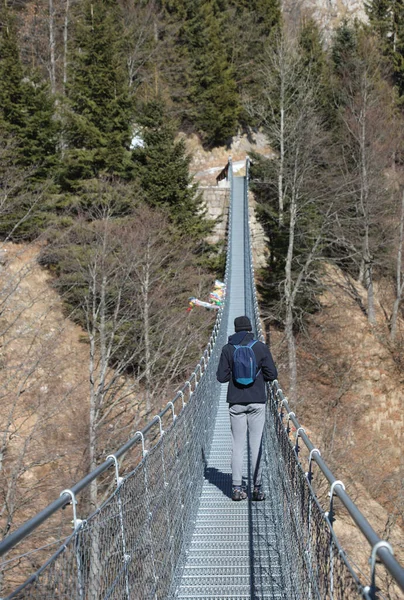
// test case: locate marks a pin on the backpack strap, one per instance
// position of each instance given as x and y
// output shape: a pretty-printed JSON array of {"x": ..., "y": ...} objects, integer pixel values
[{"x": 251, "y": 344}]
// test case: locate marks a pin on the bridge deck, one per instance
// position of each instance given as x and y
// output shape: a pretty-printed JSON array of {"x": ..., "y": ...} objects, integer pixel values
[{"x": 235, "y": 551}]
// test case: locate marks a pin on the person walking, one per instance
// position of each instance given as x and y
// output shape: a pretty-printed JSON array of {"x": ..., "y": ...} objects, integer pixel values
[{"x": 247, "y": 399}]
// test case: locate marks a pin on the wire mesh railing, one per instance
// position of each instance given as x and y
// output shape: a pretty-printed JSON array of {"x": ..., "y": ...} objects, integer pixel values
[
  {"x": 133, "y": 544},
  {"x": 317, "y": 566}
]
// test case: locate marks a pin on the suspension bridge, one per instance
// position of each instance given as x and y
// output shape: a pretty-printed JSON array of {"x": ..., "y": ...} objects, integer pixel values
[{"x": 170, "y": 530}]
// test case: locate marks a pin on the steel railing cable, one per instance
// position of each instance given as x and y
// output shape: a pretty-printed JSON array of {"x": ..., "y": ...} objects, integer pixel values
[
  {"x": 132, "y": 544},
  {"x": 333, "y": 574}
]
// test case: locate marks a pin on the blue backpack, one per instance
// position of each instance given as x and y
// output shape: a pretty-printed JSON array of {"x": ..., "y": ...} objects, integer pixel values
[{"x": 244, "y": 364}]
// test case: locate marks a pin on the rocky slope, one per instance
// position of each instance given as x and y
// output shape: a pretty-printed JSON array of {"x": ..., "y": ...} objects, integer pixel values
[{"x": 328, "y": 13}]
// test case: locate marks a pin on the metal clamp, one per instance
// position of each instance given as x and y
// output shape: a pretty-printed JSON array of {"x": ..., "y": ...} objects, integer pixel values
[
  {"x": 158, "y": 418},
  {"x": 181, "y": 393},
  {"x": 309, "y": 472},
  {"x": 312, "y": 452},
  {"x": 119, "y": 480},
  {"x": 337, "y": 482},
  {"x": 144, "y": 451},
  {"x": 281, "y": 404},
  {"x": 290, "y": 415},
  {"x": 188, "y": 384},
  {"x": 76, "y": 522},
  {"x": 173, "y": 409},
  {"x": 373, "y": 556},
  {"x": 299, "y": 431}
]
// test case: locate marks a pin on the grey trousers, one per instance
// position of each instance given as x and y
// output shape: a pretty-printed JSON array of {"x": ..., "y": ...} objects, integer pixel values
[{"x": 243, "y": 416}]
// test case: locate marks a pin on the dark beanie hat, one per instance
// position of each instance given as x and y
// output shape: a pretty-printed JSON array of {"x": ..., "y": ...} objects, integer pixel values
[{"x": 242, "y": 324}]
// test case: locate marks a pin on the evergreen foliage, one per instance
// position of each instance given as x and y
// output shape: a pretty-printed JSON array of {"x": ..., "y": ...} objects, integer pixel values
[
  {"x": 315, "y": 64},
  {"x": 267, "y": 15},
  {"x": 344, "y": 46},
  {"x": 99, "y": 107},
  {"x": 379, "y": 13},
  {"x": 214, "y": 96},
  {"x": 26, "y": 107},
  {"x": 163, "y": 168},
  {"x": 386, "y": 18}
]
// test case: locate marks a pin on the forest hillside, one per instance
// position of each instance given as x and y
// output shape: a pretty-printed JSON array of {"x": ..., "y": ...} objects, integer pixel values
[{"x": 109, "y": 112}]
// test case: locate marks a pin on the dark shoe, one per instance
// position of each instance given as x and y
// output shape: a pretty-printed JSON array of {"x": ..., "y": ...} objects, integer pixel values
[
  {"x": 258, "y": 495},
  {"x": 238, "y": 494}
]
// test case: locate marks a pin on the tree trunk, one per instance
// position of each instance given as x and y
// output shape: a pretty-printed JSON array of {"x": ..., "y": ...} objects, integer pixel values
[
  {"x": 367, "y": 259},
  {"x": 146, "y": 325},
  {"x": 370, "y": 291},
  {"x": 290, "y": 337},
  {"x": 281, "y": 157},
  {"x": 95, "y": 566},
  {"x": 52, "y": 44},
  {"x": 65, "y": 38},
  {"x": 399, "y": 283}
]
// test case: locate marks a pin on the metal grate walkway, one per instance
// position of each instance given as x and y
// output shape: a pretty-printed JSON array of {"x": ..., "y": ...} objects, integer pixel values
[{"x": 227, "y": 557}]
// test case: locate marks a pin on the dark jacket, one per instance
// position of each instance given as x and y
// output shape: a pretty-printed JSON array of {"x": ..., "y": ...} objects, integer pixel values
[{"x": 256, "y": 392}]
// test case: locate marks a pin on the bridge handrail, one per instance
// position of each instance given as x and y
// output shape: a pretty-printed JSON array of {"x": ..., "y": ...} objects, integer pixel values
[
  {"x": 383, "y": 551},
  {"x": 380, "y": 548},
  {"x": 13, "y": 538},
  {"x": 29, "y": 526}
]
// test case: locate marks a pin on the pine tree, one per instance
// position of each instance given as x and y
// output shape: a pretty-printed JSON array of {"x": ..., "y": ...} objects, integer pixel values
[
  {"x": 315, "y": 64},
  {"x": 11, "y": 75},
  {"x": 214, "y": 95},
  {"x": 379, "y": 13},
  {"x": 163, "y": 167},
  {"x": 99, "y": 107},
  {"x": 26, "y": 106},
  {"x": 386, "y": 18},
  {"x": 344, "y": 47},
  {"x": 267, "y": 14},
  {"x": 397, "y": 43}
]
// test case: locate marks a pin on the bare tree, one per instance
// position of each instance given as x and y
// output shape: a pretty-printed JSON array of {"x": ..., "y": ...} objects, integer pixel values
[
  {"x": 367, "y": 150},
  {"x": 291, "y": 118},
  {"x": 142, "y": 45},
  {"x": 279, "y": 71},
  {"x": 135, "y": 275}
]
